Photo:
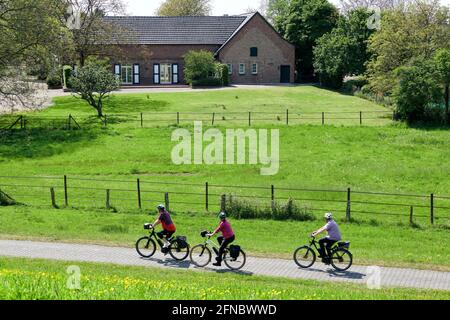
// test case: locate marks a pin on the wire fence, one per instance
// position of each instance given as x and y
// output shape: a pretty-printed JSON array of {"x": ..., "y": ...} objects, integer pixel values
[
  {"x": 143, "y": 194},
  {"x": 143, "y": 120}
]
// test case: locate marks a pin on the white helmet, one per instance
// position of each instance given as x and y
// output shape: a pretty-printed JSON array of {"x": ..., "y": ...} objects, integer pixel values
[{"x": 328, "y": 216}]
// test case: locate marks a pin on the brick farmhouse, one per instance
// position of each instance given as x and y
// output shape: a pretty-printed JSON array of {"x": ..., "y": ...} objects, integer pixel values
[{"x": 153, "y": 48}]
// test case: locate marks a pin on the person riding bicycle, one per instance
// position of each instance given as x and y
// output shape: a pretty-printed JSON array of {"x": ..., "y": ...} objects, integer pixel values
[
  {"x": 168, "y": 227},
  {"x": 334, "y": 235},
  {"x": 227, "y": 237}
]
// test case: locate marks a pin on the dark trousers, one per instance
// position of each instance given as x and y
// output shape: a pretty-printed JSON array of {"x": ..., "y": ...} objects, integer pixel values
[
  {"x": 326, "y": 244},
  {"x": 165, "y": 233},
  {"x": 223, "y": 245}
]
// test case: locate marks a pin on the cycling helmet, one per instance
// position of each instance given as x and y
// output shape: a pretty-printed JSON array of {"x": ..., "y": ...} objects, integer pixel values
[
  {"x": 328, "y": 216},
  {"x": 222, "y": 215},
  {"x": 161, "y": 207}
]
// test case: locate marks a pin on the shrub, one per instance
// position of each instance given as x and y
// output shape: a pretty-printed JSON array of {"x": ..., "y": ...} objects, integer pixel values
[
  {"x": 223, "y": 72},
  {"x": 247, "y": 209},
  {"x": 67, "y": 73},
  {"x": 201, "y": 69},
  {"x": 354, "y": 85},
  {"x": 54, "y": 80}
]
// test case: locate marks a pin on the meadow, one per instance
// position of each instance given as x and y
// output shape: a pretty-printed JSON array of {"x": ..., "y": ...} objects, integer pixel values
[
  {"x": 22, "y": 279},
  {"x": 379, "y": 157}
]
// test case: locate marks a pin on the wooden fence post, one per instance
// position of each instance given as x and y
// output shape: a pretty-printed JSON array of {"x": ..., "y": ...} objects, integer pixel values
[
  {"x": 411, "y": 212},
  {"x": 207, "y": 196},
  {"x": 249, "y": 119},
  {"x": 213, "y": 118},
  {"x": 66, "y": 196},
  {"x": 432, "y": 208},
  {"x": 108, "y": 197},
  {"x": 52, "y": 195},
  {"x": 287, "y": 117},
  {"x": 223, "y": 200},
  {"x": 348, "y": 211},
  {"x": 323, "y": 118},
  {"x": 142, "y": 120},
  {"x": 139, "y": 193},
  {"x": 166, "y": 200},
  {"x": 360, "y": 118},
  {"x": 178, "y": 118},
  {"x": 273, "y": 198}
]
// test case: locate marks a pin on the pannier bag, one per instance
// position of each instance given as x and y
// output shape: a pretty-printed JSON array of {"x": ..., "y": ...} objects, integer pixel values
[
  {"x": 235, "y": 251},
  {"x": 343, "y": 244},
  {"x": 182, "y": 242}
]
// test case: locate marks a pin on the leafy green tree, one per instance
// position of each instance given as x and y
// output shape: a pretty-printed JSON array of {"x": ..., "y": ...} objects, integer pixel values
[
  {"x": 199, "y": 65},
  {"x": 93, "y": 83},
  {"x": 419, "y": 29},
  {"x": 417, "y": 91},
  {"x": 278, "y": 13},
  {"x": 308, "y": 20},
  {"x": 343, "y": 51},
  {"x": 442, "y": 63},
  {"x": 184, "y": 8}
]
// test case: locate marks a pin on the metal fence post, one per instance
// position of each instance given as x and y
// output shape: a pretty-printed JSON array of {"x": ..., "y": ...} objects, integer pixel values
[
  {"x": 432, "y": 208},
  {"x": 273, "y": 198},
  {"x": 348, "y": 211},
  {"x": 66, "y": 196},
  {"x": 360, "y": 118},
  {"x": 207, "y": 196},
  {"x": 139, "y": 193},
  {"x": 142, "y": 120},
  {"x": 411, "y": 212},
  {"x": 249, "y": 119},
  {"x": 287, "y": 117},
  {"x": 323, "y": 118}
]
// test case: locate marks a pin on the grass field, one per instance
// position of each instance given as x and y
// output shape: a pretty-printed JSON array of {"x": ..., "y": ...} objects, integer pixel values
[
  {"x": 22, "y": 279},
  {"x": 382, "y": 157}
]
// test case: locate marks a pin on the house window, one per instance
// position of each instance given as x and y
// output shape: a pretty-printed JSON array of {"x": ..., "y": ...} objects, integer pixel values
[
  {"x": 255, "y": 68},
  {"x": 241, "y": 68},
  {"x": 254, "y": 52},
  {"x": 126, "y": 74},
  {"x": 230, "y": 68}
]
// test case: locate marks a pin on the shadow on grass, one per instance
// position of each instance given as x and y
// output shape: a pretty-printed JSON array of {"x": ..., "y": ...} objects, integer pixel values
[{"x": 40, "y": 142}]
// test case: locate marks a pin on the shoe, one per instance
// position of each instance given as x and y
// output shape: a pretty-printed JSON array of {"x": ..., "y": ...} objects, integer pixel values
[
  {"x": 217, "y": 264},
  {"x": 165, "y": 251}
]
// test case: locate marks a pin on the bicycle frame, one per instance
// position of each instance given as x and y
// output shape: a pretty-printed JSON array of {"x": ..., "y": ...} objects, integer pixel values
[
  {"x": 209, "y": 243},
  {"x": 154, "y": 236}
]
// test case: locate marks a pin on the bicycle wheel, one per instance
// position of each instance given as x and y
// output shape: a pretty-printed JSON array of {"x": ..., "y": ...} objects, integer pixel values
[
  {"x": 146, "y": 247},
  {"x": 341, "y": 259},
  {"x": 235, "y": 264},
  {"x": 201, "y": 255},
  {"x": 178, "y": 253},
  {"x": 304, "y": 257}
]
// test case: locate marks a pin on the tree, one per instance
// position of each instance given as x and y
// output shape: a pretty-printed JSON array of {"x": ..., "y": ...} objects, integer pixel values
[
  {"x": 417, "y": 92},
  {"x": 308, "y": 20},
  {"x": 350, "y": 5},
  {"x": 442, "y": 63},
  {"x": 419, "y": 29},
  {"x": 29, "y": 34},
  {"x": 171, "y": 8},
  {"x": 93, "y": 83},
  {"x": 278, "y": 13},
  {"x": 92, "y": 34},
  {"x": 343, "y": 51}
]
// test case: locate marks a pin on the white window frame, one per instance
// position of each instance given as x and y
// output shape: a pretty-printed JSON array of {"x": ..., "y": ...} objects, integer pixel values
[
  {"x": 253, "y": 70},
  {"x": 230, "y": 68},
  {"x": 129, "y": 76},
  {"x": 241, "y": 68}
]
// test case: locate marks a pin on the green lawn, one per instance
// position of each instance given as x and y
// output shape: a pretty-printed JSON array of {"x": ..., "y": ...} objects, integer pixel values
[
  {"x": 22, "y": 279},
  {"x": 382, "y": 158}
]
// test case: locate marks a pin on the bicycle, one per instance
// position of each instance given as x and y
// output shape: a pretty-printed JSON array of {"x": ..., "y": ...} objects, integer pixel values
[
  {"x": 146, "y": 246},
  {"x": 341, "y": 258},
  {"x": 201, "y": 254}
]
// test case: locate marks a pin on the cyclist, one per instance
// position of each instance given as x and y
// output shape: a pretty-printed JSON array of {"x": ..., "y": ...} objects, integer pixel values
[
  {"x": 334, "y": 235},
  {"x": 168, "y": 227},
  {"x": 227, "y": 237}
]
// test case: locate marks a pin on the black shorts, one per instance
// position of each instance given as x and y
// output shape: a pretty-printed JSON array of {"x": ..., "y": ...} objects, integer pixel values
[{"x": 165, "y": 233}]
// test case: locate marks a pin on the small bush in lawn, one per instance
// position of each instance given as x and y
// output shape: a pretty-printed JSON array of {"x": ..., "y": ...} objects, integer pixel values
[{"x": 250, "y": 209}]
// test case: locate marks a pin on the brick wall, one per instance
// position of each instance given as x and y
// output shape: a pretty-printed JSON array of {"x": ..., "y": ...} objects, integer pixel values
[{"x": 273, "y": 52}]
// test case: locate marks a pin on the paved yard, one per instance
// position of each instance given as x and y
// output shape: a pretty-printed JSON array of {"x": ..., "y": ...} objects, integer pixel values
[{"x": 390, "y": 277}]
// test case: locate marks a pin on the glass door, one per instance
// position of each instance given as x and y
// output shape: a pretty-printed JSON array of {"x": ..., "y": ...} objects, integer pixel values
[{"x": 166, "y": 73}]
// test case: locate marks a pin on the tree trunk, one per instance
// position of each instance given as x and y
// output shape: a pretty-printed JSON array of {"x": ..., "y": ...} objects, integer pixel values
[
  {"x": 100, "y": 109},
  {"x": 82, "y": 59}
]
